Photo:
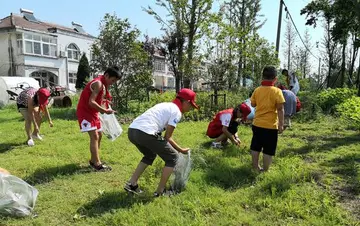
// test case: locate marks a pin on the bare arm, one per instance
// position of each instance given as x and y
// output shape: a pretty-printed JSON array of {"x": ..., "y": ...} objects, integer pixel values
[
  {"x": 47, "y": 113},
  {"x": 280, "y": 110},
  {"x": 229, "y": 135},
  {"x": 96, "y": 87},
  {"x": 168, "y": 137}
]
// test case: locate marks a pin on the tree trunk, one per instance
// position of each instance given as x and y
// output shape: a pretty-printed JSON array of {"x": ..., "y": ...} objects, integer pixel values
[
  {"x": 343, "y": 66},
  {"x": 352, "y": 64},
  {"x": 358, "y": 79}
]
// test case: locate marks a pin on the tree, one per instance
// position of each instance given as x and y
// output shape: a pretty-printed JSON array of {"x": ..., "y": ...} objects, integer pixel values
[
  {"x": 117, "y": 45},
  {"x": 183, "y": 29},
  {"x": 83, "y": 72},
  {"x": 289, "y": 43}
]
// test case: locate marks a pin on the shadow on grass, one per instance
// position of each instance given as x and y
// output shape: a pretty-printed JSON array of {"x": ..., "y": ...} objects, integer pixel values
[
  {"x": 347, "y": 168},
  {"x": 221, "y": 173},
  {"x": 329, "y": 144},
  {"x": 110, "y": 201},
  {"x": 46, "y": 175},
  {"x": 63, "y": 113},
  {"x": 5, "y": 147}
]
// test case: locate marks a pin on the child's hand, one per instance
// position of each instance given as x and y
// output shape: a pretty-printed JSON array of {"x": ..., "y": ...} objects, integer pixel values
[
  {"x": 51, "y": 124},
  {"x": 185, "y": 150},
  {"x": 281, "y": 129},
  {"x": 109, "y": 111},
  {"x": 237, "y": 142}
]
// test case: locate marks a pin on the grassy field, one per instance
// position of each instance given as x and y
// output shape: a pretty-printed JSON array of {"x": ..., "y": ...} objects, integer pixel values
[{"x": 314, "y": 179}]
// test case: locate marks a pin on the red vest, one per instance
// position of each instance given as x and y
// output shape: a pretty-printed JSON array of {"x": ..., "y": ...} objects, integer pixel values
[
  {"x": 215, "y": 126},
  {"x": 298, "y": 104},
  {"x": 83, "y": 107}
]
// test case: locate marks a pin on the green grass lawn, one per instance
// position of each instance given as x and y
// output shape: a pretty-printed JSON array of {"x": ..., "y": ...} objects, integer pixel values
[{"x": 314, "y": 179}]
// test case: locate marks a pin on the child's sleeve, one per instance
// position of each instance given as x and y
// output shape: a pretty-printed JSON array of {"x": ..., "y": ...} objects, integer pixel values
[
  {"x": 174, "y": 118},
  {"x": 225, "y": 119},
  {"x": 280, "y": 97}
]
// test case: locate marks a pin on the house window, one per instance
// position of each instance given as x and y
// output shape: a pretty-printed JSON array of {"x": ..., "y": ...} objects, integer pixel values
[
  {"x": 159, "y": 65},
  {"x": 72, "y": 78},
  {"x": 73, "y": 52},
  {"x": 39, "y": 45},
  {"x": 171, "y": 82}
]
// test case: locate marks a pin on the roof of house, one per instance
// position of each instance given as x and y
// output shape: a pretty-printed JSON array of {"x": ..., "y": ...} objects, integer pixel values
[{"x": 18, "y": 21}]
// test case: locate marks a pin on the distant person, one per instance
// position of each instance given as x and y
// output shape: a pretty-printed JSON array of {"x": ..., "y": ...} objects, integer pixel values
[
  {"x": 292, "y": 81},
  {"x": 29, "y": 103},
  {"x": 94, "y": 99},
  {"x": 145, "y": 133},
  {"x": 269, "y": 119},
  {"x": 224, "y": 125},
  {"x": 290, "y": 106}
]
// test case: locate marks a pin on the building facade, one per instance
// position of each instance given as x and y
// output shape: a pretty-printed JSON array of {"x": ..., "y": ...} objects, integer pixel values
[{"x": 48, "y": 52}]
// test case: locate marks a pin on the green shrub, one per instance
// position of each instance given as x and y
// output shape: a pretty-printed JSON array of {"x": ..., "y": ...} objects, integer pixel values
[
  {"x": 310, "y": 109},
  {"x": 329, "y": 98},
  {"x": 349, "y": 110}
]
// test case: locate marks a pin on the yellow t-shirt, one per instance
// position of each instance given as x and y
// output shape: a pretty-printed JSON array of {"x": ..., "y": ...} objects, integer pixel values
[{"x": 265, "y": 98}]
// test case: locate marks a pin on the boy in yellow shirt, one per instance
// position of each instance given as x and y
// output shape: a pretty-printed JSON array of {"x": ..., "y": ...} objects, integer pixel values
[{"x": 269, "y": 119}]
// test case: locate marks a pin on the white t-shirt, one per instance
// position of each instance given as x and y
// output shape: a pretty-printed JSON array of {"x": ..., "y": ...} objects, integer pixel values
[
  {"x": 156, "y": 119},
  {"x": 225, "y": 119}
]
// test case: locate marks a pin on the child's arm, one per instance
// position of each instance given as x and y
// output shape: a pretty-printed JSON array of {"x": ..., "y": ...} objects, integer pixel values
[
  {"x": 47, "y": 113},
  {"x": 96, "y": 87},
  {"x": 280, "y": 110},
  {"x": 229, "y": 135},
  {"x": 168, "y": 137}
]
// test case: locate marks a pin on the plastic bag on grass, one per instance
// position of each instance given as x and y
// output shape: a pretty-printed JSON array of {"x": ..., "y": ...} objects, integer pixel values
[
  {"x": 17, "y": 198},
  {"x": 182, "y": 172},
  {"x": 110, "y": 125}
]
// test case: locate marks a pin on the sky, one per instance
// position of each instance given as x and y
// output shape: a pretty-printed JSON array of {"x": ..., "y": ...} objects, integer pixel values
[{"x": 90, "y": 12}]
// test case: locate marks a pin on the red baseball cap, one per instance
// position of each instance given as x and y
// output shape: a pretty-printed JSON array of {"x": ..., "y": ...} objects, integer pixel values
[
  {"x": 189, "y": 95},
  {"x": 245, "y": 110},
  {"x": 43, "y": 95}
]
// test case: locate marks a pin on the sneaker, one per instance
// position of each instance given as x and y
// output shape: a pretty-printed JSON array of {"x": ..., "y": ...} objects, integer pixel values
[
  {"x": 132, "y": 188},
  {"x": 102, "y": 167},
  {"x": 216, "y": 145},
  {"x": 30, "y": 142},
  {"x": 36, "y": 137},
  {"x": 164, "y": 193}
]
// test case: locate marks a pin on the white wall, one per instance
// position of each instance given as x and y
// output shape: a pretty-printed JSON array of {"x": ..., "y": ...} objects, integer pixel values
[{"x": 4, "y": 56}]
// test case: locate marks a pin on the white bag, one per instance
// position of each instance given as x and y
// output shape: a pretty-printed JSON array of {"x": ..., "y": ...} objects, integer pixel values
[
  {"x": 17, "y": 198},
  {"x": 182, "y": 172},
  {"x": 110, "y": 126}
]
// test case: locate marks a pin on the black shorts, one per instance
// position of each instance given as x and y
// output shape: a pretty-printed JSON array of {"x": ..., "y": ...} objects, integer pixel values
[
  {"x": 151, "y": 146},
  {"x": 264, "y": 140}
]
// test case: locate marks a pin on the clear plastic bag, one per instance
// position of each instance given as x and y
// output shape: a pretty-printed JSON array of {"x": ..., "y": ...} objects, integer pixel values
[
  {"x": 110, "y": 125},
  {"x": 182, "y": 172},
  {"x": 17, "y": 198}
]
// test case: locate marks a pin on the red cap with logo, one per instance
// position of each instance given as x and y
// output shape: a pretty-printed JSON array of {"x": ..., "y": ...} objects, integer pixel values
[
  {"x": 245, "y": 110},
  {"x": 43, "y": 95},
  {"x": 189, "y": 95}
]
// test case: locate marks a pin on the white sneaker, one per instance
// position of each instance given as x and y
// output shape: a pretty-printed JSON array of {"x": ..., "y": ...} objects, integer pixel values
[
  {"x": 30, "y": 142},
  {"x": 216, "y": 145},
  {"x": 36, "y": 137}
]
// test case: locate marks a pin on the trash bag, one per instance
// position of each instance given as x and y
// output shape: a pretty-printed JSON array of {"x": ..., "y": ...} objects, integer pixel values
[
  {"x": 110, "y": 125},
  {"x": 17, "y": 198},
  {"x": 181, "y": 172}
]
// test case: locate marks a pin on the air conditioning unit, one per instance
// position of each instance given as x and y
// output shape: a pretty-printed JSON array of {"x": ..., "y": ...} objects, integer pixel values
[{"x": 62, "y": 54}]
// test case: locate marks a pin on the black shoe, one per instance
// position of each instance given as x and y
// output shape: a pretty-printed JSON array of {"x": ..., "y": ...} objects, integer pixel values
[
  {"x": 132, "y": 188},
  {"x": 102, "y": 167},
  {"x": 164, "y": 193}
]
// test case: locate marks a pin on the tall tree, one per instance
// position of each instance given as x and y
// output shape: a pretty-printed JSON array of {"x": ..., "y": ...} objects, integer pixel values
[
  {"x": 183, "y": 29},
  {"x": 289, "y": 43},
  {"x": 83, "y": 72},
  {"x": 117, "y": 45}
]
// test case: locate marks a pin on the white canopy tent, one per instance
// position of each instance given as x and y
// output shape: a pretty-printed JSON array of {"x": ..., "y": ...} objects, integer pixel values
[{"x": 14, "y": 84}]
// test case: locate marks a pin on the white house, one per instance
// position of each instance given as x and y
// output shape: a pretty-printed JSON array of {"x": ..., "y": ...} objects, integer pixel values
[{"x": 48, "y": 52}]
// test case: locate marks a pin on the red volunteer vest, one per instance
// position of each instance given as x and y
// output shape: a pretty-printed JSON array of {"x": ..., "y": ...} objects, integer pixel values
[
  {"x": 83, "y": 108},
  {"x": 215, "y": 126}
]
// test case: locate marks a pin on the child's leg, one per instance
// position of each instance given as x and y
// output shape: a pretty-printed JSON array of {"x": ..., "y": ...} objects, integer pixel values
[
  {"x": 100, "y": 136},
  {"x": 221, "y": 138},
  {"x": 25, "y": 114},
  {"x": 255, "y": 160},
  {"x": 94, "y": 147},
  {"x": 38, "y": 120},
  {"x": 267, "y": 159},
  {"x": 138, "y": 171},
  {"x": 167, "y": 171}
]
